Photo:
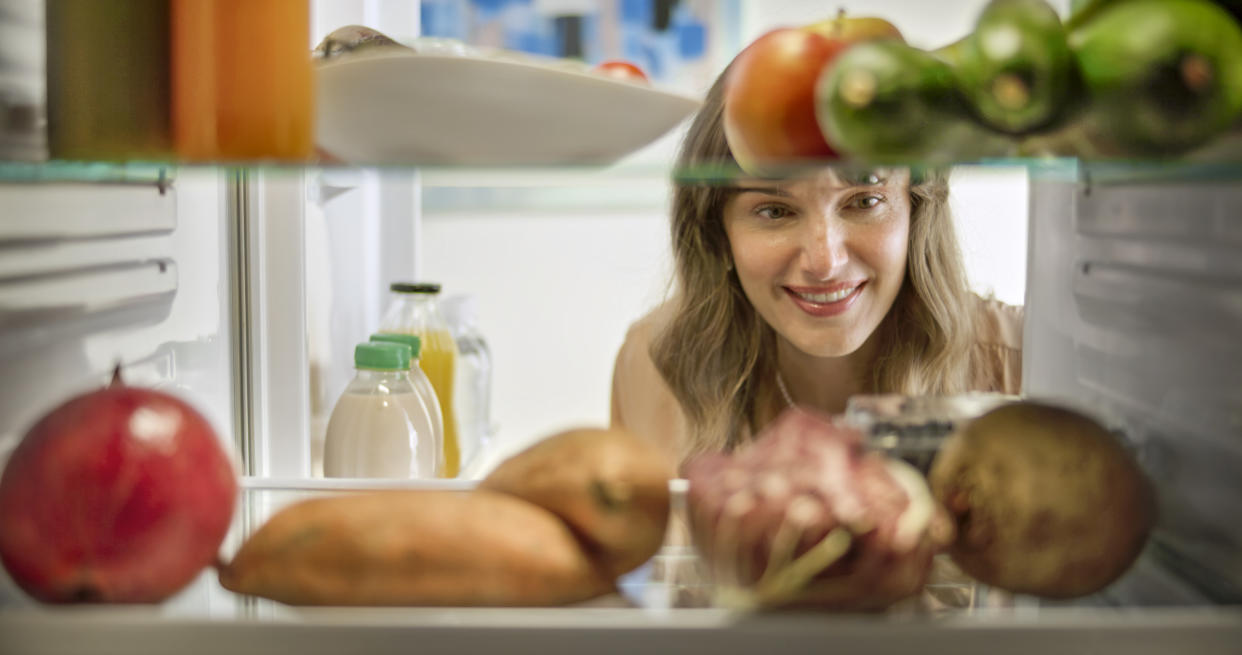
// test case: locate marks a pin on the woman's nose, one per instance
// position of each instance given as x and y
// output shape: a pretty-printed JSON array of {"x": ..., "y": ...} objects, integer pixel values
[{"x": 824, "y": 250}]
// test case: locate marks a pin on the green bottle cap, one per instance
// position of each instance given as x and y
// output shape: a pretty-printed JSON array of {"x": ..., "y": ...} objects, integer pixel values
[
  {"x": 382, "y": 356},
  {"x": 415, "y": 344}
]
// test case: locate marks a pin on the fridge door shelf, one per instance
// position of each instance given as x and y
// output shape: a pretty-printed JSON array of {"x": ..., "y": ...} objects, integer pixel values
[{"x": 87, "y": 294}]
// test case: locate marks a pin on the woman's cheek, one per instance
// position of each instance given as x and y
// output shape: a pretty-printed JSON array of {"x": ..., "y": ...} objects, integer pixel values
[
  {"x": 761, "y": 254},
  {"x": 886, "y": 246}
]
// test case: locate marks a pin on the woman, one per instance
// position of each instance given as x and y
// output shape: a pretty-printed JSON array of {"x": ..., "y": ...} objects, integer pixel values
[
  {"x": 804, "y": 290},
  {"x": 807, "y": 290}
]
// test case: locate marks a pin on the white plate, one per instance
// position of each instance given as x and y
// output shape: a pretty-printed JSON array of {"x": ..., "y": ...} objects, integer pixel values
[{"x": 406, "y": 108}]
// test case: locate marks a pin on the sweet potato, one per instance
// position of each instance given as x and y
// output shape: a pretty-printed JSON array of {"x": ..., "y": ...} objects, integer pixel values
[
  {"x": 1046, "y": 501},
  {"x": 415, "y": 548},
  {"x": 609, "y": 486}
]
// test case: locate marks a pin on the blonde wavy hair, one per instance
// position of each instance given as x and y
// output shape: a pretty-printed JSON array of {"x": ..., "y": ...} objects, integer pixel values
[{"x": 717, "y": 352}]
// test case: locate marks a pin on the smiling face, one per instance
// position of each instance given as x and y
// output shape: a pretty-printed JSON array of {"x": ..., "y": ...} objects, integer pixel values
[{"x": 821, "y": 258}]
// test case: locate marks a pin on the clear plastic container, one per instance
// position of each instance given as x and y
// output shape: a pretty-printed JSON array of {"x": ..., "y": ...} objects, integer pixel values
[
  {"x": 912, "y": 428},
  {"x": 422, "y": 386},
  {"x": 474, "y": 377},
  {"x": 379, "y": 426},
  {"x": 414, "y": 309}
]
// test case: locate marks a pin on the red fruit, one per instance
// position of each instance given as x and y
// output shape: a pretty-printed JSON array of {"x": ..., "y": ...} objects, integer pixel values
[
  {"x": 769, "y": 112},
  {"x": 853, "y": 29},
  {"x": 119, "y": 495},
  {"x": 622, "y": 70}
]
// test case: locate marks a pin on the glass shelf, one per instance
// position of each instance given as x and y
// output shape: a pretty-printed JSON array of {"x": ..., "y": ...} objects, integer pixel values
[
  {"x": 619, "y": 175},
  {"x": 86, "y": 172}
]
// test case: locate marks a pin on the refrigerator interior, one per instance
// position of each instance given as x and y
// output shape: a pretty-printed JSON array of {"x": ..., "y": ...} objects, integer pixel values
[{"x": 245, "y": 291}]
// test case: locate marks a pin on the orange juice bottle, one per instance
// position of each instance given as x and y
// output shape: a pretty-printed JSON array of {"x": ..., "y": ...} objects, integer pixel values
[
  {"x": 414, "y": 310},
  {"x": 242, "y": 79}
]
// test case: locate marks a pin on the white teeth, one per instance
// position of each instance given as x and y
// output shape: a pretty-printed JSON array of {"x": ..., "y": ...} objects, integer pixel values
[{"x": 826, "y": 297}]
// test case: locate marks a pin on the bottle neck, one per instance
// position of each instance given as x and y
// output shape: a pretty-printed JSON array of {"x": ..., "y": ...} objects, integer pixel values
[
  {"x": 414, "y": 313},
  {"x": 392, "y": 381},
  {"x": 421, "y": 300}
]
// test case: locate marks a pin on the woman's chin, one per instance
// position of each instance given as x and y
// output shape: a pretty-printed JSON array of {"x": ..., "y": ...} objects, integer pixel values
[{"x": 833, "y": 348}]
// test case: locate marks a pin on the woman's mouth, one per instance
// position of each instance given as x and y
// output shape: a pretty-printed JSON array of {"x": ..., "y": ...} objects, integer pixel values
[{"x": 821, "y": 302}]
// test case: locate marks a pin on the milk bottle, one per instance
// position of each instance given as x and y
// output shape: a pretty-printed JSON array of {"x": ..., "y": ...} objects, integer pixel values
[{"x": 379, "y": 427}]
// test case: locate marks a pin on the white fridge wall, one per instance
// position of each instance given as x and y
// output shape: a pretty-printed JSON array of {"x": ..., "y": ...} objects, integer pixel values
[
  {"x": 556, "y": 292},
  {"x": 990, "y": 208}
]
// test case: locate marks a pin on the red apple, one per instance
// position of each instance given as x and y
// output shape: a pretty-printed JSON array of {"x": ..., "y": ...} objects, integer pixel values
[
  {"x": 118, "y": 495},
  {"x": 769, "y": 112},
  {"x": 853, "y": 29}
]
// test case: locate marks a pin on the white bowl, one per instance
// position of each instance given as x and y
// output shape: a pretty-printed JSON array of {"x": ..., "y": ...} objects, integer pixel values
[{"x": 436, "y": 109}]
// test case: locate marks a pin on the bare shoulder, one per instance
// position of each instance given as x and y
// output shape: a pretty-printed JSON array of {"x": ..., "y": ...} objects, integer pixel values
[
  {"x": 1000, "y": 324},
  {"x": 635, "y": 370},
  {"x": 634, "y": 356},
  {"x": 642, "y": 401},
  {"x": 999, "y": 344},
  {"x": 644, "y": 330}
]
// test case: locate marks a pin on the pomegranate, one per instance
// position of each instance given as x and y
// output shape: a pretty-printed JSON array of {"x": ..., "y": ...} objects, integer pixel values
[{"x": 118, "y": 495}]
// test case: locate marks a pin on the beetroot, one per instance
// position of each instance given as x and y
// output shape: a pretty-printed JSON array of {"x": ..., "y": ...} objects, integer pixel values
[
  {"x": 1046, "y": 500},
  {"x": 805, "y": 516},
  {"x": 119, "y": 495}
]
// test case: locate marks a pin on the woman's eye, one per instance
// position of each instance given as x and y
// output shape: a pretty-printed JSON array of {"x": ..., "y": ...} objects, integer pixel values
[
  {"x": 867, "y": 202},
  {"x": 773, "y": 212}
]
